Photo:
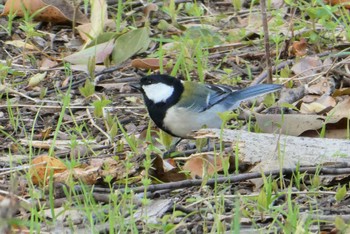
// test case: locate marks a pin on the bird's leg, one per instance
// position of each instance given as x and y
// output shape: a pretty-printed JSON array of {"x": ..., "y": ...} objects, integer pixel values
[{"x": 172, "y": 149}]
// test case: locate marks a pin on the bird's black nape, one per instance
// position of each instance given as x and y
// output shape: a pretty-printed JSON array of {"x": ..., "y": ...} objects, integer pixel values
[{"x": 159, "y": 78}]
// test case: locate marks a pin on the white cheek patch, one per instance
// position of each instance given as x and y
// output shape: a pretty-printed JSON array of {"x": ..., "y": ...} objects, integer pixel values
[{"x": 158, "y": 92}]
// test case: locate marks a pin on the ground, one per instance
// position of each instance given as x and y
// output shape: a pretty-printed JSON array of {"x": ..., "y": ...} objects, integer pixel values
[{"x": 79, "y": 153}]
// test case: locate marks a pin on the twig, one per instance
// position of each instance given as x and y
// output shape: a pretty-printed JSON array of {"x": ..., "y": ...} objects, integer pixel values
[
  {"x": 14, "y": 195},
  {"x": 266, "y": 41},
  {"x": 237, "y": 178},
  {"x": 97, "y": 127}
]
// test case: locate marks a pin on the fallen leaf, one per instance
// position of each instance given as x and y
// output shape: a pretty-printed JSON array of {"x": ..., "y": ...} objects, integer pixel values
[
  {"x": 85, "y": 29},
  {"x": 43, "y": 166},
  {"x": 20, "y": 44},
  {"x": 311, "y": 108},
  {"x": 36, "y": 79},
  {"x": 341, "y": 92},
  {"x": 58, "y": 11},
  {"x": 45, "y": 133},
  {"x": 129, "y": 44},
  {"x": 342, "y": 109},
  {"x": 299, "y": 48},
  {"x": 320, "y": 105},
  {"x": 307, "y": 66},
  {"x": 150, "y": 7},
  {"x": 98, "y": 17},
  {"x": 323, "y": 86},
  {"x": 148, "y": 63},
  {"x": 100, "y": 52},
  {"x": 164, "y": 171},
  {"x": 200, "y": 165},
  {"x": 88, "y": 175},
  {"x": 47, "y": 63},
  {"x": 345, "y": 3},
  {"x": 307, "y": 125}
]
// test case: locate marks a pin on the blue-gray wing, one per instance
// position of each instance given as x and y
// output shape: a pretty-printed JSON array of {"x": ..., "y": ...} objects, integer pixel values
[{"x": 202, "y": 97}]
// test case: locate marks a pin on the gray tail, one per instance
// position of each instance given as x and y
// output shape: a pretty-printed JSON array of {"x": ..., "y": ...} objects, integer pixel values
[{"x": 254, "y": 91}]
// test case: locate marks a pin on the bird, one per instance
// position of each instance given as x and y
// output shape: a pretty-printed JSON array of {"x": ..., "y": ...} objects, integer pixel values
[{"x": 181, "y": 107}]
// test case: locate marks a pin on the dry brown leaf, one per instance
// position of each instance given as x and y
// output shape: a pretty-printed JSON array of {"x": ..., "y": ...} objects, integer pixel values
[
  {"x": 200, "y": 165},
  {"x": 45, "y": 133},
  {"x": 148, "y": 63},
  {"x": 47, "y": 63},
  {"x": 165, "y": 172},
  {"x": 299, "y": 48},
  {"x": 43, "y": 166},
  {"x": 342, "y": 109},
  {"x": 345, "y": 3},
  {"x": 88, "y": 175},
  {"x": 58, "y": 11},
  {"x": 148, "y": 9},
  {"x": 341, "y": 92}
]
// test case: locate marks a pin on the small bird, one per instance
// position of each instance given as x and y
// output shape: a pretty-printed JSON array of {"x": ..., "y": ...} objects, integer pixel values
[{"x": 181, "y": 107}]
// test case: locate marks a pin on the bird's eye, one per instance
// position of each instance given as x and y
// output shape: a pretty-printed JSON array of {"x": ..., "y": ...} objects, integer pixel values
[{"x": 149, "y": 82}]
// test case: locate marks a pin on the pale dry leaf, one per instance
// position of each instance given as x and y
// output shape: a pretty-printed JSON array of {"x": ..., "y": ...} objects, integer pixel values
[
  {"x": 307, "y": 66},
  {"x": 323, "y": 86},
  {"x": 319, "y": 105},
  {"x": 47, "y": 63},
  {"x": 85, "y": 29},
  {"x": 98, "y": 18},
  {"x": 100, "y": 52},
  {"x": 311, "y": 108},
  {"x": 36, "y": 79},
  {"x": 289, "y": 124},
  {"x": 21, "y": 44},
  {"x": 342, "y": 109},
  {"x": 310, "y": 98},
  {"x": 154, "y": 210}
]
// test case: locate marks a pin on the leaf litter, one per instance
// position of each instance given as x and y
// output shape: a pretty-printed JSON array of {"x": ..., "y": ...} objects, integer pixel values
[{"x": 212, "y": 41}]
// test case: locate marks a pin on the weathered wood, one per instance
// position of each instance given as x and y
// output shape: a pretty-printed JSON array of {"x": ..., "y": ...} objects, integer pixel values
[{"x": 258, "y": 147}]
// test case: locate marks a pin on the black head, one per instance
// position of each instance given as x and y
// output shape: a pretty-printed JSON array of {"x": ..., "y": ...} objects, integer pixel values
[
  {"x": 161, "y": 88},
  {"x": 158, "y": 78},
  {"x": 160, "y": 92}
]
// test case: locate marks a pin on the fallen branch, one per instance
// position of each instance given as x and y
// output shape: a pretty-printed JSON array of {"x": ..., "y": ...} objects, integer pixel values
[{"x": 236, "y": 178}]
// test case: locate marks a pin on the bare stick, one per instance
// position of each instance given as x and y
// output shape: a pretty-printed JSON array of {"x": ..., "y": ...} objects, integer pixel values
[{"x": 266, "y": 40}]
